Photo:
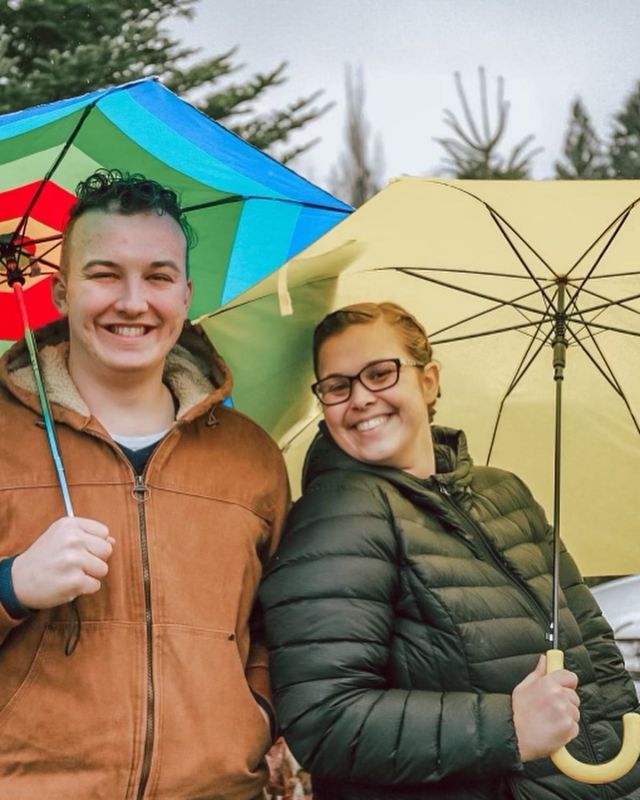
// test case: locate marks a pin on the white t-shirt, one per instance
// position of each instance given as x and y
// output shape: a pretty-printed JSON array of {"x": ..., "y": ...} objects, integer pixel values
[{"x": 138, "y": 442}]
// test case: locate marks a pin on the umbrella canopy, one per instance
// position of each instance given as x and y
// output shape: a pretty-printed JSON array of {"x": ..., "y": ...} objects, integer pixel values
[
  {"x": 249, "y": 212},
  {"x": 485, "y": 266}
]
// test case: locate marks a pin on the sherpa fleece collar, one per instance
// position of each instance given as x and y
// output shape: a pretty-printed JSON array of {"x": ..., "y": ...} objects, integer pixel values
[{"x": 195, "y": 372}]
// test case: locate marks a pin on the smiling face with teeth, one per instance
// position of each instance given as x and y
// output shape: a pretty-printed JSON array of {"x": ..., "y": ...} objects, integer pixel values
[
  {"x": 125, "y": 294},
  {"x": 387, "y": 428}
]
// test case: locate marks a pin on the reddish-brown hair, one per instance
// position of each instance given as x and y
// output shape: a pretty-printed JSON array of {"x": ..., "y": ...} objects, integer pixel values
[{"x": 413, "y": 335}]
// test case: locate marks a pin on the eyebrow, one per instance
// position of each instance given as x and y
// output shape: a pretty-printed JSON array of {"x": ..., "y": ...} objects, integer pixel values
[
  {"x": 105, "y": 262},
  {"x": 368, "y": 364}
]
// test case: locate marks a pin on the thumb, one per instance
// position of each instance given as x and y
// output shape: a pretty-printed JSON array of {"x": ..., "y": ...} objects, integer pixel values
[
  {"x": 535, "y": 674},
  {"x": 541, "y": 666}
]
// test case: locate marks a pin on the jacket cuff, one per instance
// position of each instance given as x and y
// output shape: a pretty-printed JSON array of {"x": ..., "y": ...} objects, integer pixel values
[
  {"x": 14, "y": 608},
  {"x": 268, "y": 709}
]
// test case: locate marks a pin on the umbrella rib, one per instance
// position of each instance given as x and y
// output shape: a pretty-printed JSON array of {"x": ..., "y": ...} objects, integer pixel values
[
  {"x": 632, "y": 274},
  {"x": 496, "y": 215},
  {"x": 461, "y": 271},
  {"x": 54, "y": 267},
  {"x": 611, "y": 378},
  {"x": 580, "y": 312},
  {"x": 464, "y": 290},
  {"x": 583, "y": 325},
  {"x": 240, "y": 198},
  {"x": 602, "y": 327},
  {"x": 608, "y": 303},
  {"x": 65, "y": 149},
  {"x": 519, "y": 374},
  {"x": 498, "y": 220},
  {"x": 621, "y": 216},
  {"x": 42, "y": 258},
  {"x": 622, "y": 219},
  {"x": 234, "y": 305},
  {"x": 232, "y": 198},
  {"x": 488, "y": 333},
  {"x": 521, "y": 327},
  {"x": 29, "y": 241},
  {"x": 50, "y": 249},
  {"x": 480, "y": 314},
  {"x": 597, "y": 311}
]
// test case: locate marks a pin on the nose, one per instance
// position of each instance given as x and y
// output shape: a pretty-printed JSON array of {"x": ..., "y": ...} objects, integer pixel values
[
  {"x": 132, "y": 299},
  {"x": 361, "y": 397}
]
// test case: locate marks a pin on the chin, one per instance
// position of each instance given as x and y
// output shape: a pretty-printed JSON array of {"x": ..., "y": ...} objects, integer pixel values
[
  {"x": 376, "y": 458},
  {"x": 129, "y": 364}
]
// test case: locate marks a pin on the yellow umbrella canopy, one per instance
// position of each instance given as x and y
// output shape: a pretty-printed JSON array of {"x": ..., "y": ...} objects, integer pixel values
[{"x": 496, "y": 271}]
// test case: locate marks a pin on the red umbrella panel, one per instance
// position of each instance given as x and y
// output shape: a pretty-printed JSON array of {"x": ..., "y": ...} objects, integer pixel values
[{"x": 30, "y": 243}]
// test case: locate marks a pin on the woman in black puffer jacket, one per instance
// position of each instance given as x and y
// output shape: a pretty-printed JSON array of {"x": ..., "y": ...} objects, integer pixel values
[{"x": 408, "y": 604}]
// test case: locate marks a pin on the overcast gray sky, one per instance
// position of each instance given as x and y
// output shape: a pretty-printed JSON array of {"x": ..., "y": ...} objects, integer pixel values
[{"x": 548, "y": 51}]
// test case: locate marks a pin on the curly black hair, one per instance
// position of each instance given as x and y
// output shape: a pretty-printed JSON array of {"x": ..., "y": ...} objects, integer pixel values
[{"x": 124, "y": 193}]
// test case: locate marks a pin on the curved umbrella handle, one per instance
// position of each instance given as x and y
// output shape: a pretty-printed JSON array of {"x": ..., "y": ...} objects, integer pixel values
[{"x": 610, "y": 770}]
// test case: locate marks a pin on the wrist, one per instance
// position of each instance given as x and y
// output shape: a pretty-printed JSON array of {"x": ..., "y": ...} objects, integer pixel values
[{"x": 12, "y": 604}]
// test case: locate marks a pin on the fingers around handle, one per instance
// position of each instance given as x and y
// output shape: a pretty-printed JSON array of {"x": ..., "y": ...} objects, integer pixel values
[{"x": 610, "y": 770}]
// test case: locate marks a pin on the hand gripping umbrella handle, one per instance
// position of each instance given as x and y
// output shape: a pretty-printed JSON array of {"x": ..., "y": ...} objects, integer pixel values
[{"x": 610, "y": 770}]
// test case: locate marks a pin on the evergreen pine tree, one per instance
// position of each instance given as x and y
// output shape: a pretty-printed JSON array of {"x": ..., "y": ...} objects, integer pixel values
[
  {"x": 583, "y": 151},
  {"x": 624, "y": 147},
  {"x": 52, "y": 49}
]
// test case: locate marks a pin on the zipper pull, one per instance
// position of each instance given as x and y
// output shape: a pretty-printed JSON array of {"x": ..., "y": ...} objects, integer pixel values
[
  {"x": 140, "y": 491},
  {"x": 443, "y": 490}
]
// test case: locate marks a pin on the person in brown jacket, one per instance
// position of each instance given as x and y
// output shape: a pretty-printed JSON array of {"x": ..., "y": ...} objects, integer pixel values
[{"x": 131, "y": 663}]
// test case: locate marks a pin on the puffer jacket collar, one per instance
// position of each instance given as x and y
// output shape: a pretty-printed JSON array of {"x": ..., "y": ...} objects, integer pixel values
[
  {"x": 453, "y": 465},
  {"x": 195, "y": 372}
]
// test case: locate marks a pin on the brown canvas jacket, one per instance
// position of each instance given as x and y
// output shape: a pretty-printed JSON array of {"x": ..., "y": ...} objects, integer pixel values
[{"x": 156, "y": 700}]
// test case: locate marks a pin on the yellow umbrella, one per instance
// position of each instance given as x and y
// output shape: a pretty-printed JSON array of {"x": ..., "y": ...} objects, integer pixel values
[{"x": 481, "y": 264}]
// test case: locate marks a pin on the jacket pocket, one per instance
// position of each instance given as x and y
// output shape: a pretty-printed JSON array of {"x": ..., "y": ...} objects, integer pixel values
[
  {"x": 203, "y": 697},
  {"x": 70, "y": 728},
  {"x": 30, "y": 677}
]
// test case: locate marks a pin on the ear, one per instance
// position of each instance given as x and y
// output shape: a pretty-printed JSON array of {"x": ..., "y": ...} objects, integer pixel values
[
  {"x": 188, "y": 296},
  {"x": 59, "y": 293},
  {"x": 430, "y": 382}
]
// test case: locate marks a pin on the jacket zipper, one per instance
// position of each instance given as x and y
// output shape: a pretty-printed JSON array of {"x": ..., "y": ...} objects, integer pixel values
[
  {"x": 141, "y": 492},
  {"x": 500, "y": 563}
]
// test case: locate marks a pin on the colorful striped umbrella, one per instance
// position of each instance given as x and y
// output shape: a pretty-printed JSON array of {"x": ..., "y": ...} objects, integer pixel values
[{"x": 250, "y": 213}]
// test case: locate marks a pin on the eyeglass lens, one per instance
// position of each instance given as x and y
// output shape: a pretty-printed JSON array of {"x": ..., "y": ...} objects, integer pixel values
[{"x": 375, "y": 377}]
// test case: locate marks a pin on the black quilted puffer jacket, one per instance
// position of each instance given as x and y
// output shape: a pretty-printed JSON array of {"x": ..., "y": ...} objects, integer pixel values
[{"x": 401, "y": 614}]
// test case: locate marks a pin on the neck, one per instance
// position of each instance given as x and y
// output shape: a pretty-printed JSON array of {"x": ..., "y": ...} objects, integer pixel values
[
  {"x": 130, "y": 404},
  {"x": 427, "y": 465}
]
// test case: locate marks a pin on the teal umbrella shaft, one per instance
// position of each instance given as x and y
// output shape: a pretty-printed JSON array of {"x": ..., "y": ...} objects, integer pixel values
[{"x": 44, "y": 401}]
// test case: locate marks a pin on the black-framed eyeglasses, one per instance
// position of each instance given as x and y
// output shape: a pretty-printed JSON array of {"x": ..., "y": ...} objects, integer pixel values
[{"x": 376, "y": 377}]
